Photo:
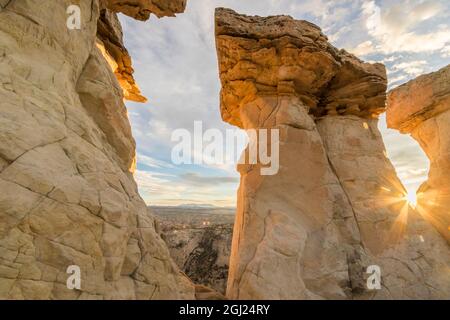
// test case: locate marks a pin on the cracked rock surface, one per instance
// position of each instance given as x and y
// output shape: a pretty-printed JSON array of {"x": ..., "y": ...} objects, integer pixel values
[
  {"x": 67, "y": 156},
  {"x": 336, "y": 206}
]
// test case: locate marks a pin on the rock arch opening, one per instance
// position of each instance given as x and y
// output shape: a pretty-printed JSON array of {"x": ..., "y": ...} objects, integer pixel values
[
  {"x": 421, "y": 108},
  {"x": 408, "y": 158}
]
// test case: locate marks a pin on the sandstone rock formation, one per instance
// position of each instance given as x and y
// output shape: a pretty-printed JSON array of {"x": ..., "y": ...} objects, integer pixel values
[
  {"x": 336, "y": 205},
  {"x": 422, "y": 109},
  {"x": 67, "y": 193},
  {"x": 110, "y": 43},
  {"x": 110, "y": 36},
  {"x": 67, "y": 156}
]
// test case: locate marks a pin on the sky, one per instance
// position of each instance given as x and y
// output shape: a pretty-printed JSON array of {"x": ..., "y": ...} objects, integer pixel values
[{"x": 175, "y": 66}]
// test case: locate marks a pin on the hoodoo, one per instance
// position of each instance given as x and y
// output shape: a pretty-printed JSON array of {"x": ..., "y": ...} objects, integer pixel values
[
  {"x": 336, "y": 206},
  {"x": 421, "y": 108}
]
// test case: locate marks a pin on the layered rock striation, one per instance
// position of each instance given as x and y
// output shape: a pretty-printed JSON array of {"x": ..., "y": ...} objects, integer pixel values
[
  {"x": 336, "y": 206},
  {"x": 67, "y": 156},
  {"x": 421, "y": 108}
]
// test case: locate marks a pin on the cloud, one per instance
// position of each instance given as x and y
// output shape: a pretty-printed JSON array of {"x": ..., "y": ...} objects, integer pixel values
[
  {"x": 153, "y": 183},
  {"x": 363, "y": 49},
  {"x": 392, "y": 58},
  {"x": 408, "y": 158},
  {"x": 172, "y": 189},
  {"x": 196, "y": 179},
  {"x": 152, "y": 162},
  {"x": 446, "y": 52},
  {"x": 396, "y": 28},
  {"x": 397, "y": 79},
  {"x": 413, "y": 68}
]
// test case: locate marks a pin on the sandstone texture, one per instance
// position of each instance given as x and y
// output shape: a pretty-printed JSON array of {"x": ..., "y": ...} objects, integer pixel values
[
  {"x": 278, "y": 56},
  {"x": 199, "y": 241},
  {"x": 110, "y": 43},
  {"x": 67, "y": 156},
  {"x": 421, "y": 108},
  {"x": 336, "y": 206},
  {"x": 110, "y": 36}
]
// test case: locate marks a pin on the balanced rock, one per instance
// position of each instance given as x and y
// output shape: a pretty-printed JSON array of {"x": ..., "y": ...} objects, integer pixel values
[
  {"x": 421, "y": 108},
  {"x": 335, "y": 210}
]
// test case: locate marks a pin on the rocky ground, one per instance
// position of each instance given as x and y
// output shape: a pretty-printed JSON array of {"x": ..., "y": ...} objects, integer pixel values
[{"x": 199, "y": 240}]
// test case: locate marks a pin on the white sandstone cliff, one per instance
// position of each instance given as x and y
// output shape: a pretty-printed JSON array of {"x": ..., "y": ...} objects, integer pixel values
[
  {"x": 336, "y": 206},
  {"x": 67, "y": 193}
]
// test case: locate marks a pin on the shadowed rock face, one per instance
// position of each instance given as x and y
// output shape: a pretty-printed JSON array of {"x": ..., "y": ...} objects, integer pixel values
[
  {"x": 421, "y": 108},
  {"x": 110, "y": 43},
  {"x": 67, "y": 193},
  {"x": 335, "y": 207}
]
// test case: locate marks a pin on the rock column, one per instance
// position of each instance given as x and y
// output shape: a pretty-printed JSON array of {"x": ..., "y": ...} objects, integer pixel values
[
  {"x": 422, "y": 108},
  {"x": 336, "y": 206}
]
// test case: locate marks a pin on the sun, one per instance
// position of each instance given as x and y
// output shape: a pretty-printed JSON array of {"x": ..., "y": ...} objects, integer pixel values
[{"x": 411, "y": 198}]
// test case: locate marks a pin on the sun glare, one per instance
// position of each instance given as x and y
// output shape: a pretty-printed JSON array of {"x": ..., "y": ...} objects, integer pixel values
[{"x": 411, "y": 198}]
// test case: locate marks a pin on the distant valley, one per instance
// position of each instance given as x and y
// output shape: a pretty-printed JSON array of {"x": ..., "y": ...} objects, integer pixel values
[{"x": 199, "y": 240}]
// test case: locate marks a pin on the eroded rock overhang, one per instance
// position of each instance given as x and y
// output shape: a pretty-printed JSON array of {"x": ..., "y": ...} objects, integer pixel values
[
  {"x": 336, "y": 205},
  {"x": 110, "y": 36},
  {"x": 282, "y": 56}
]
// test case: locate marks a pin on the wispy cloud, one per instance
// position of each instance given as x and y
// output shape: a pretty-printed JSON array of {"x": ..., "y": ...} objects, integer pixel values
[
  {"x": 413, "y": 68},
  {"x": 152, "y": 162},
  {"x": 196, "y": 179},
  {"x": 446, "y": 52},
  {"x": 395, "y": 26},
  {"x": 364, "y": 48}
]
